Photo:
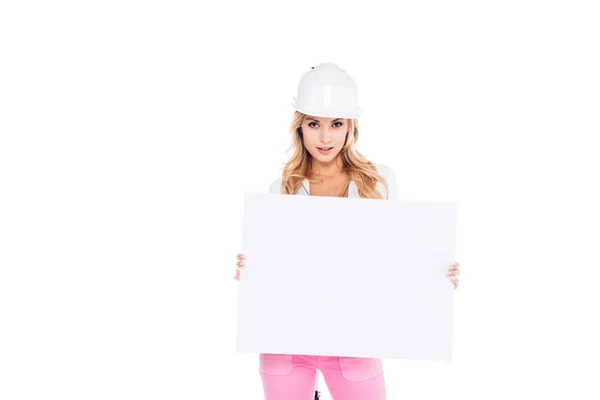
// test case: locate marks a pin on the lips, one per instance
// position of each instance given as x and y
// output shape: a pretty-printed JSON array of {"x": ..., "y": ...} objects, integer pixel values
[{"x": 324, "y": 150}]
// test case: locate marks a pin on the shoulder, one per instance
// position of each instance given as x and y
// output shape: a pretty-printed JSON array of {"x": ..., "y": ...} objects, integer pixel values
[
  {"x": 390, "y": 178},
  {"x": 276, "y": 186},
  {"x": 384, "y": 170}
]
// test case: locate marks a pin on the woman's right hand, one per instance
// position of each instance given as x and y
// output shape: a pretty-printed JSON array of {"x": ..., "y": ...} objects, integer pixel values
[{"x": 240, "y": 264}]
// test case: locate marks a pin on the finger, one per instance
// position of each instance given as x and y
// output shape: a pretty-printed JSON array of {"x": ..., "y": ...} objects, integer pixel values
[
  {"x": 237, "y": 277},
  {"x": 240, "y": 264},
  {"x": 241, "y": 256},
  {"x": 237, "y": 272}
]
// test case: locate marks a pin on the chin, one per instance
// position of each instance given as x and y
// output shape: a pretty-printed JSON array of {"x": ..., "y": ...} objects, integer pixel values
[{"x": 326, "y": 158}]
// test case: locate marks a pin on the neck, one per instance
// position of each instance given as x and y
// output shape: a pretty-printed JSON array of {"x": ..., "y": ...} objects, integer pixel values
[{"x": 327, "y": 170}]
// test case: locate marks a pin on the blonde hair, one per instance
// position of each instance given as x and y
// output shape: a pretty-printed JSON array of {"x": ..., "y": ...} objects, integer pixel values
[{"x": 362, "y": 171}]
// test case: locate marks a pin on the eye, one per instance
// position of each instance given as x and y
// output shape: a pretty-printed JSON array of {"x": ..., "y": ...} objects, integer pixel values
[
  {"x": 338, "y": 124},
  {"x": 313, "y": 124}
]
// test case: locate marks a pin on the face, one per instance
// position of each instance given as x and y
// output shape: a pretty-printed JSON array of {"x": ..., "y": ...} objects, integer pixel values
[{"x": 324, "y": 137}]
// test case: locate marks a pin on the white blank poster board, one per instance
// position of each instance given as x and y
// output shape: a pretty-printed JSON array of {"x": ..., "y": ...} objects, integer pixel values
[{"x": 346, "y": 277}]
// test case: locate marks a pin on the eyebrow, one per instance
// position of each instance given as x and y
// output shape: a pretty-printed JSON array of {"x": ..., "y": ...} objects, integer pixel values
[{"x": 316, "y": 120}]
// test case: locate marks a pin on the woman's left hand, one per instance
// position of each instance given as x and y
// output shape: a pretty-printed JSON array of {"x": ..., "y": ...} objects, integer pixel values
[{"x": 454, "y": 270}]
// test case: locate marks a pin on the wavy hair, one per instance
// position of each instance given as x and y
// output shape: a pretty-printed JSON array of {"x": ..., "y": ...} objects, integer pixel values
[{"x": 362, "y": 171}]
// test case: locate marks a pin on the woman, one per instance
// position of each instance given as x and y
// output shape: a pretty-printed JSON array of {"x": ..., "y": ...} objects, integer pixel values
[{"x": 326, "y": 163}]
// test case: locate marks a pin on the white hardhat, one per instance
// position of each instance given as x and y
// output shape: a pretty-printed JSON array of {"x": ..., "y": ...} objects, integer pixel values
[{"x": 327, "y": 91}]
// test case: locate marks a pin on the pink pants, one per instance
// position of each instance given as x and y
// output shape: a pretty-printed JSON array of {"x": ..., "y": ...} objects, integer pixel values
[{"x": 294, "y": 377}]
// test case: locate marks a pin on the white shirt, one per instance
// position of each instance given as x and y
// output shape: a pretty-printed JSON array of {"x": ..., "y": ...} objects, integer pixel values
[{"x": 382, "y": 169}]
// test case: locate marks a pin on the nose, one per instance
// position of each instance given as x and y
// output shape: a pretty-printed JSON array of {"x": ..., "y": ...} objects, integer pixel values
[{"x": 325, "y": 136}]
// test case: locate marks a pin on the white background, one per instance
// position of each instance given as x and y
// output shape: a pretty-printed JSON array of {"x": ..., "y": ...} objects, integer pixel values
[{"x": 130, "y": 131}]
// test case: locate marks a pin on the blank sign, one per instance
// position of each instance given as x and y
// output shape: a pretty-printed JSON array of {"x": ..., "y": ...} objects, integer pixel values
[{"x": 346, "y": 277}]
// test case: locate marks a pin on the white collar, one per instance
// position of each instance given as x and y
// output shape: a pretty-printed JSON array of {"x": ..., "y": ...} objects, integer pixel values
[{"x": 305, "y": 189}]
